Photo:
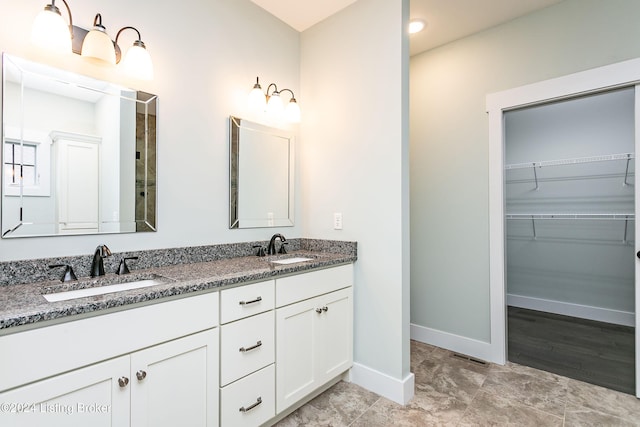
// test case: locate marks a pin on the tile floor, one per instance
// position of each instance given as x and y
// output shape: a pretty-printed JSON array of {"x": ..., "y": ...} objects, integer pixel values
[{"x": 451, "y": 391}]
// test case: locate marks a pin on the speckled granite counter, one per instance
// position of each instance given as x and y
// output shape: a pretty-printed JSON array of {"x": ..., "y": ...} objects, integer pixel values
[{"x": 25, "y": 305}]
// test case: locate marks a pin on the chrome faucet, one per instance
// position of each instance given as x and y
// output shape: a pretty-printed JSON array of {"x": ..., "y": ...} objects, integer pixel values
[
  {"x": 271, "y": 249},
  {"x": 97, "y": 266}
]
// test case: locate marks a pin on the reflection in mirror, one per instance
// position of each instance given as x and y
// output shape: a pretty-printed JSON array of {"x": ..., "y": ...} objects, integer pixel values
[
  {"x": 78, "y": 154},
  {"x": 260, "y": 175}
]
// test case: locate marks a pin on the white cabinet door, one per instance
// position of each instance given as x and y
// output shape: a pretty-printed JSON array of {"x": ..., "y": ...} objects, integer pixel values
[
  {"x": 313, "y": 344},
  {"x": 90, "y": 396},
  {"x": 295, "y": 352},
  {"x": 335, "y": 335},
  {"x": 176, "y": 383}
]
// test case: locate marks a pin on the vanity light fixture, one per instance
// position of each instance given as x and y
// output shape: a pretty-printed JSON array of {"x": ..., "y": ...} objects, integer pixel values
[
  {"x": 50, "y": 32},
  {"x": 272, "y": 103}
]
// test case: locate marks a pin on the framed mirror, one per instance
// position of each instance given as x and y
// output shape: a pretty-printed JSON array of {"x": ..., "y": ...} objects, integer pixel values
[
  {"x": 78, "y": 154},
  {"x": 261, "y": 177}
]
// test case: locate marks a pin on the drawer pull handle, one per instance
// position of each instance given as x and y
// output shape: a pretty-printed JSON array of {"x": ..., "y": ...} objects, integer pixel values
[
  {"x": 251, "y": 302},
  {"x": 141, "y": 375},
  {"x": 123, "y": 381},
  {"x": 247, "y": 409},
  {"x": 253, "y": 347}
]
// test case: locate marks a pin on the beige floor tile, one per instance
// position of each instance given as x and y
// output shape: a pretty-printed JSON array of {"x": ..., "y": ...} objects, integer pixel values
[
  {"x": 546, "y": 393},
  {"x": 584, "y": 417},
  {"x": 490, "y": 410},
  {"x": 583, "y": 395}
]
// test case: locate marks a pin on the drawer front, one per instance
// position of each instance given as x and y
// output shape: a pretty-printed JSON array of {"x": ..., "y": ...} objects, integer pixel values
[
  {"x": 86, "y": 341},
  {"x": 244, "y": 301},
  {"x": 250, "y": 401},
  {"x": 308, "y": 285},
  {"x": 246, "y": 346}
]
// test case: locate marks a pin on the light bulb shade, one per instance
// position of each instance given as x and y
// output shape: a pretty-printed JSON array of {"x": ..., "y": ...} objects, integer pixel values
[
  {"x": 137, "y": 62},
  {"x": 292, "y": 112},
  {"x": 50, "y": 32},
  {"x": 257, "y": 101},
  {"x": 98, "y": 45},
  {"x": 274, "y": 106}
]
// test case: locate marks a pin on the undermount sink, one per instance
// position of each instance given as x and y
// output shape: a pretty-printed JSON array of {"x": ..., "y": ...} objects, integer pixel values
[
  {"x": 292, "y": 260},
  {"x": 93, "y": 289}
]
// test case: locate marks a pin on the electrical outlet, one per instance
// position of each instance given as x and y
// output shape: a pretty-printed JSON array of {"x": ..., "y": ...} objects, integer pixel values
[{"x": 337, "y": 221}]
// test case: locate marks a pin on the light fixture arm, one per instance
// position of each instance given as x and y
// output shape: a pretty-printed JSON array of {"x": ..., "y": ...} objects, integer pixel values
[
  {"x": 275, "y": 91},
  {"x": 55, "y": 9},
  {"x": 97, "y": 21},
  {"x": 293, "y": 97},
  {"x": 128, "y": 28}
]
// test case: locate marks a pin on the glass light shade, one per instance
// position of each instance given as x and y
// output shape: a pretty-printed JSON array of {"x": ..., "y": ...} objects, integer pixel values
[
  {"x": 257, "y": 101},
  {"x": 50, "y": 32},
  {"x": 137, "y": 62},
  {"x": 98, "y": 45},
  {"x": 292, "y": 112},
  {"x": 274, "y": 106}
]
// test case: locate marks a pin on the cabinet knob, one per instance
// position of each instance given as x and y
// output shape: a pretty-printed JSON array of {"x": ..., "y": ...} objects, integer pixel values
[
  {"x": 141, "y": 375},
  {"x": 123, "y": 381},
  {"x": 248, "y": 408},
  {"x": 638, "y": 254},
  {"x": 318, "y": 310},
  {"x": 325, "y": 308}
]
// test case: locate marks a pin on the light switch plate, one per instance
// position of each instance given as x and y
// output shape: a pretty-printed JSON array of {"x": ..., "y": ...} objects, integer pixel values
[{"x": 337, "y": 221}]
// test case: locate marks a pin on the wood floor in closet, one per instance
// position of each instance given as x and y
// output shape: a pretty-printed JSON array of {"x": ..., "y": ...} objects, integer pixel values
[{"x": 595, "y": 352}]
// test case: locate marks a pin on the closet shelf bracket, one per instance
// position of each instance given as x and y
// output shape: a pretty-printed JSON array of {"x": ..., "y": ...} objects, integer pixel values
[{"x": 626, "y": 174}]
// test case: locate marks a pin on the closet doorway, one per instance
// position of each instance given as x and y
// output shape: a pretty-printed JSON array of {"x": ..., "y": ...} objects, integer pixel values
[
  {"x": 563, "y": 240},
  {"x": 570, "y": 215}
]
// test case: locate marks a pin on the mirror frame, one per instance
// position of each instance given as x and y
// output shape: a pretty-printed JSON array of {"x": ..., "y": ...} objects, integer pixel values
[
  {"x": 144, "y": 104},
  {"x": 236, "y": 221}
]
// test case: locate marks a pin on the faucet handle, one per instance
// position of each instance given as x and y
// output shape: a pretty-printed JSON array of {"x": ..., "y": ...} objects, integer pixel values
[
  {"x": 123, "y": 268},
  {"x": 68, "y": 274},
  {"x": 283, "y": 249},
  {"x": 260, "y": 250}
]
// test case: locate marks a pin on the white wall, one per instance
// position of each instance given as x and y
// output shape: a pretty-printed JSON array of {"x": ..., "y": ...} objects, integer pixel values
[
  {"x": 355, "y": 156},
  {"x": 449, "y": 145},
  {"x": 206, "y": 56}
]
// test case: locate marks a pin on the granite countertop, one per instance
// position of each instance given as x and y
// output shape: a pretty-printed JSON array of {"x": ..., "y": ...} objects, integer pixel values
[{"x": 25, "y": 305}]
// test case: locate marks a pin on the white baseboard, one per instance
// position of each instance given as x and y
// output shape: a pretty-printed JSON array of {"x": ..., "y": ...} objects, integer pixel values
[
  {"x": 459, "y": 344},
  {"x": 400, "y": 391},
  {"x": 607, "y": 315}
]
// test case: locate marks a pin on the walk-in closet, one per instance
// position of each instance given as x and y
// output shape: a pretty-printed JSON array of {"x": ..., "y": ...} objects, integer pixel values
[{"x": 569, "y": 184}]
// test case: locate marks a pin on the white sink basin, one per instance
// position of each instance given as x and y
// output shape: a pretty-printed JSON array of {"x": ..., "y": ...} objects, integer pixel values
[
  {"x": 291, "y": 260},
  {"x": 101, "y": 290}
]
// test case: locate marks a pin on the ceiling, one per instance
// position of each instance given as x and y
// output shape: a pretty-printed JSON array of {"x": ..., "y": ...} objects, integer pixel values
[{"x": 447, "y": 20}]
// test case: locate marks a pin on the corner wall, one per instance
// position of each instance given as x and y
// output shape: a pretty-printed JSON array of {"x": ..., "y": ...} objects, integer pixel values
[
  {"x": 449, "y": 150},
  {"x": 354, "y": 156}
]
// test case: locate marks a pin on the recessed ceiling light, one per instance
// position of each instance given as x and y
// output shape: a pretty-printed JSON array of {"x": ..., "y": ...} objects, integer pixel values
[{"x": 416, "y": 25}]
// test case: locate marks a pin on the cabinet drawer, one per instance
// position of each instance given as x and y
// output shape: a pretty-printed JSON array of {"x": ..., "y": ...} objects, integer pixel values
[
  {"x": 246, "y": 346},
  {"x": 244, "y": 301},
  {"x": 303, "y": 286},
  {"x": 249, "y": 401}
]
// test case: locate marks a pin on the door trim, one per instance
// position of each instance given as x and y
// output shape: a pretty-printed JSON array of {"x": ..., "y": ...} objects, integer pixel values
[{"x": 622, "y": 74}]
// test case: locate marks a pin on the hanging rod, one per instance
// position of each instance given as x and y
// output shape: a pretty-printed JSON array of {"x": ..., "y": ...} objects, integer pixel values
[{"x": 572, "y": 161}]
